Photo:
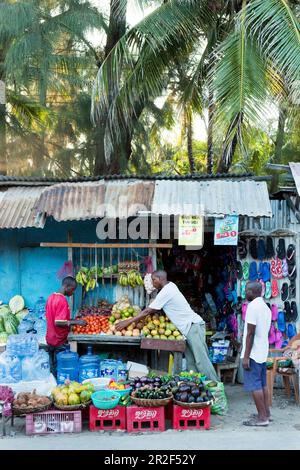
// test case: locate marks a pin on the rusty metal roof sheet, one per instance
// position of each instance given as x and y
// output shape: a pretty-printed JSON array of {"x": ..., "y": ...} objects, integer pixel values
[
  {"x": 17, "y": 207},
  {"x": 93, "y": 200},
  {"x": 212, "y": 198}
]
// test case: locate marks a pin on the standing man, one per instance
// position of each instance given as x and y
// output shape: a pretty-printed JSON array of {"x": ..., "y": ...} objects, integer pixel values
[
  {"x": 59, "y": 320},
  {"x": 191, "y": 325},
  {"x": 255, "y": 352}
]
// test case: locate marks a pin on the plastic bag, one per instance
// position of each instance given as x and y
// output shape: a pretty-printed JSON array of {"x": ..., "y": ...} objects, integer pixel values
[{"x": 220, "y": 405}]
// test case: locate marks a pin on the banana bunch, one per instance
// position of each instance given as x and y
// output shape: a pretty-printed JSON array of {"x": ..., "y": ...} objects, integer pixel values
[
  {"x": 133, "y": 279},
  {"x": 86, "y": 278}
]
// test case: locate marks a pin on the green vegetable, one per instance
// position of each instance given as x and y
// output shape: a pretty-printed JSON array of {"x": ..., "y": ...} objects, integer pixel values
[
  {"x": 11, "y": 324},
  {"x": 4, "y": 310},
  {"x": 2, "y": 329},
  {"x": 3, "y": 338},
  {"x": 21, "y": 315},
  {"x": 16, "y": 303}
]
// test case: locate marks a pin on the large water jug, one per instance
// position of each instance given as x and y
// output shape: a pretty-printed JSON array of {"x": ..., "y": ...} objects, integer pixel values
[
  {"x": 42, "y": 365},
  {"x": 29, "y": 368},
  {"x": 67, "y": 365},
  {"x": 89, "y": 365},
  {"x": 41, "y": 329},
  {"x": 40, "y": 308}
]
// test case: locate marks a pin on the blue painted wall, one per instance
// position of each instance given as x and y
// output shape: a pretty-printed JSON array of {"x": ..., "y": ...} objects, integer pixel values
[{"x": 31, "y": 271}]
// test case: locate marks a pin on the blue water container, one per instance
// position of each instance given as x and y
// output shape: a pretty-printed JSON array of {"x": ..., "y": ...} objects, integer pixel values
[
  {"x": 67, "y": 365},
  {"x": 89, "y": 365},
  {"x": 40, "y": 308}
]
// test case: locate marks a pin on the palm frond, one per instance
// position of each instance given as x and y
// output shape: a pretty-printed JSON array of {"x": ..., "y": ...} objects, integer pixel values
[
  {"x": 27, "y": 112},
  {"x": 16, "y": 17},
  {"x": 277, "y": 30}
]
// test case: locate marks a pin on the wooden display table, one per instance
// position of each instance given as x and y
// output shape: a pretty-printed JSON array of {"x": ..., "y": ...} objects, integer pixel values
[
  {"x": 176, "y": 347},
  {"x": 109, "y": 340}
]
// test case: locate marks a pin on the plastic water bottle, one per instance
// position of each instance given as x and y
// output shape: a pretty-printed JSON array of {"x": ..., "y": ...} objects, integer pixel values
[
  {"x": 3, "y": 367},
  {"x": 121, "y": 372},
  {"x": 40, "y": 308},
  {"x": 42, "y": 365},
  {"x": 89, "y": 365},
  {"x": 15, "y": 368},
  {"x": 67, "y": 365},
  {"x": 41, "y": 330},
  {"x": 109, "y": 369},
  {"x": 29, "y": 368}
]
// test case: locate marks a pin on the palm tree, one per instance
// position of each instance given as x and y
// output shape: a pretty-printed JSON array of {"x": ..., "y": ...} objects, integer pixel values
[{"x": 255, "y": 55}]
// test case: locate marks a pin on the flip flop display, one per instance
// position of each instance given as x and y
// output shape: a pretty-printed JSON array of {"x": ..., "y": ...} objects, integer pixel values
[
  {"x": 253, "y": 274},
  {"x": 239, "y": 270},
  {"x": 266, "y": 274},
  {"x": 274, "y": 311},
  {"x": 281, "y": 322},
  {"x": 276, "y": 268},
  {"x": 285, "y": 268},
  {"x": 246, "y": 271},
  {"x": 294, "y": 311},
  {"x": 292, "y": 272},
  {"x": 290, "y": 254},
  {"x": 275, "y": 290},
  {"x": 292, "y": 290},
  {"x": 268, "y": 290},
  {"x": 242, "y": 249},
  {"x": 284, "y": 291},
  {"x": 278, "y": 340},
  {"x": 281, "y": 252}
]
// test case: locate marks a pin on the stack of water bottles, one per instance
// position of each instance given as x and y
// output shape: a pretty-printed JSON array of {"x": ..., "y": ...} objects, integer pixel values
[
  {"x": 22, "y": 360},
  {"x": 113, "y": 369},
  {"x": 35, "y": 321}
]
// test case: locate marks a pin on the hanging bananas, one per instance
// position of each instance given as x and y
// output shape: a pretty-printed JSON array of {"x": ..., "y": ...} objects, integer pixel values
[
  {"x": 132, "y": 279},
  {"x": 86, "y": 278}
]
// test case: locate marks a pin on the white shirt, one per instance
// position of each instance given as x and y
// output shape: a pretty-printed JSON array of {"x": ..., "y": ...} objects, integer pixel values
[
  {"x": 176, "y": 307},
  {"x": 258, "y": 314}
]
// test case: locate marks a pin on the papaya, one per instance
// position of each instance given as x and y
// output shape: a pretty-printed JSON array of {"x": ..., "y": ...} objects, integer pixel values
[{"x": 85, "y": 396}]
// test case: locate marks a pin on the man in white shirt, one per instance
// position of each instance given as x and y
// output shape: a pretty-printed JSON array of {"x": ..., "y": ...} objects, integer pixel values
[
  {"x": 174, "y": 304},
  {"x": 255, "y": 352}
]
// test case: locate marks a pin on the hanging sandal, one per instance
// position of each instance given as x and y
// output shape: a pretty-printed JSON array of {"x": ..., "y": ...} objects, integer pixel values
[
  {"x": 246, "y": 271},
  {"x": 261, "y": 249},
  {"x": 294, "y": 311},
  {"x": 270, "y": 252},
  {"x": 266, "y": 275},
  {"x": 272, "y": 332},
  {"x": 253, "y": 248},
  {"x": 284, "y": 291},
  {"x": 281, "y": 322},
  {"x": 239, "y": 270},
  {"x": 292, "y": 290},
  {"x": 288, "y": 311},
  {"x": 278, "y": 340},
  {"x": 242, "y": 249},
  {"x": 276, "y": 268},
  {"x": 243, "y": 289},
  {"x": 285, "y": 268},
  {"x": 275, "y": 290},
  {"x": 253, "y": 274},
  {"x": 268, "y": 290},
  {"x": 291, "y": 331},
  {"x": 280, "y": 250},
  {"x": 290, "y": 254},
  {"x": 274, "y": 311},
  {"x": 292, "y": 273}
]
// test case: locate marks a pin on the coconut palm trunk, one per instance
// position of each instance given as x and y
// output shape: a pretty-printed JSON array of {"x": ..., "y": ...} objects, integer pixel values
[
  {"x": 283, "y": 112},
  {"x": 3, "y": 144},
  {"x": 190, "y": 145}
]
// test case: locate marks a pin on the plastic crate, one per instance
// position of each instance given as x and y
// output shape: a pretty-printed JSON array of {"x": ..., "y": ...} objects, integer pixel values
[
  {"x": 140, "y": 419},
  {"x": 108, "y": 420},
  {"x": 191, "y": 418},
  {"x": 51, "y": 422},
  {"x": 169, "y": 410}
]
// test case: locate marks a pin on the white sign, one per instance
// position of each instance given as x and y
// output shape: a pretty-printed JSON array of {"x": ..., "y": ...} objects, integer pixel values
[{"x": 190, "y": 230}]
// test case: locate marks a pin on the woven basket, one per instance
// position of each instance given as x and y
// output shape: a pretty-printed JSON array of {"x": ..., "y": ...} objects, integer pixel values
[
  {"x": 18, "y": 411},
  {"x": 82, "y": 406},
  {"x": 193, "y": 405},
  {"x": 151, "y": 402}
]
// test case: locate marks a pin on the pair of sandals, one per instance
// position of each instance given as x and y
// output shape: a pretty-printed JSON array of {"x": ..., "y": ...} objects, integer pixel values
[
  {"x": 275, "y": 337},
  {"x": 291, "y": 311}
]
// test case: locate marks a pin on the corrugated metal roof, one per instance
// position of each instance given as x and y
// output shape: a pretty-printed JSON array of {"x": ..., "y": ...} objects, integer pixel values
[
  {"x": 213, "y": 198},
  {"x": 17, "y": 207},
  {"x": 82, "y": 201},
  {"x": 295, "y": 169}
]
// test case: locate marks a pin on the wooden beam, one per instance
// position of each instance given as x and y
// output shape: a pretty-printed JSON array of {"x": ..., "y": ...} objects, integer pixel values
[
  {"x": 278, "y": 167},
  {"x": 292, "y": 207},
  {"x": 105, "y": 245}
]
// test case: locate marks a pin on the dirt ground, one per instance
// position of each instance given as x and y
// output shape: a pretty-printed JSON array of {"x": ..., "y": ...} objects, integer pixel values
[{"x": 225, "y": 433}]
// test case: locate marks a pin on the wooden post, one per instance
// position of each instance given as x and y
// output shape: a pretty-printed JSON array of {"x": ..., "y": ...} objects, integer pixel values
[{"x": 70, "y": 258}]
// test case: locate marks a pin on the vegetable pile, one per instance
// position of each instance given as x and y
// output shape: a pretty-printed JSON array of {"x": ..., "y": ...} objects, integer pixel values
[
  {"x": 95, "y": 325},
  {"x": 192, "y": 392},
  {"x": 113, "y": 385},
  {"x": 103, "y": 308},
  {"x": 11, "y": 316},
  {"x": 72, "y": 393},
  {"x": 7, "y": 396}
]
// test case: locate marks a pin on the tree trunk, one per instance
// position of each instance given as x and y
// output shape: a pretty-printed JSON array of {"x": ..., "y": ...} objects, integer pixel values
[
  {"x": 3, "y": 144},
  {"x": 190, "y": 144},
  {"x": 210, "y": 149},
  {"x": 116, "y": 29},
  {"x": 279, "y": 145}
]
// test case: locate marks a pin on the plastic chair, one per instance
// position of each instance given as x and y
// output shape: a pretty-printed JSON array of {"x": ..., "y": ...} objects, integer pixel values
[{"x": 286, "y": 377}]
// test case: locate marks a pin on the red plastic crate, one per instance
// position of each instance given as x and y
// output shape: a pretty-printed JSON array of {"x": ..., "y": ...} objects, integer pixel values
[
  {"x": 108, "y": 420},
  {"x": 191, "y": 418},
  {"x": 51, "y": 422},
  {"x": 140, "y": 419}
]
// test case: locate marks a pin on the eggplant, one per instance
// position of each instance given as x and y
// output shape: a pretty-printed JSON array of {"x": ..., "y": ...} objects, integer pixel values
[
  {"x": 199, "y": 400},
  {"x": 191, "y": 399},
  {"x": 144, "y": 380},
  {"x": 177, "y": 396},
  {"x": 184, "y": 388},
  {"x": 173, "y": 383},
  {"x": 183, "y": 397},
  {"x": 138, "y": 385},
  {"x": 192, "y": 384},
  {"x": 195, "y": 392},
  {"x": 150, "y": 381}
]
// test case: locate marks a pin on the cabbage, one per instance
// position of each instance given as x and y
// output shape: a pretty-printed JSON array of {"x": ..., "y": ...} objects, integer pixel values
[
  {"x": 4, "y": 310},
  {"x": 16, "y": 303}
]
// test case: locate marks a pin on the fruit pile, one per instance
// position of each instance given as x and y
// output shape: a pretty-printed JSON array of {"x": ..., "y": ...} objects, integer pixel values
[
  {"x": 72, "y": 393},
  {"x": 160, "y": 327},
  {"x": 113, "y": 385},
  {"x": 30, "y": 400},
  {"x": 122, "y": 310},
  {"x": 95, "y": 325},
  {"x": 131, "y": 278},
  {"x": 103, "y": 308}
]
